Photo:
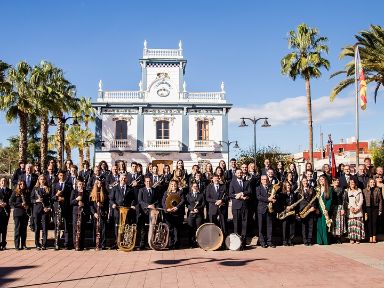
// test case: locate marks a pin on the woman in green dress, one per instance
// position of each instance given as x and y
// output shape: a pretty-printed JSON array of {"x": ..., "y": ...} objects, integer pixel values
[{"x": 323, "y": 221}]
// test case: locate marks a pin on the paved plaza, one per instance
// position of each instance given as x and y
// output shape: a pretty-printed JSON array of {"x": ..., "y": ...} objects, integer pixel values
[{"x": 344, "y": 265}]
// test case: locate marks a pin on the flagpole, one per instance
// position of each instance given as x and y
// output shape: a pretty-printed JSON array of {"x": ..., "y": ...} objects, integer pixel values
[{"x": 357, "y": 55}]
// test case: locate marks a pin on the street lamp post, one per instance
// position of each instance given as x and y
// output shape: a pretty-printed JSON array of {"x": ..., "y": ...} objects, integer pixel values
[
  {"x": 63, "y": 120},
  {"x": 229, "y": 144},
  {"x": 254, "y": 122},
  {"x": 94, "y": 148}
]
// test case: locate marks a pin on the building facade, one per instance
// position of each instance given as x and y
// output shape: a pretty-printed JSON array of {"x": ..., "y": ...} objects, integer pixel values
[{"x": 162, "y": 121}]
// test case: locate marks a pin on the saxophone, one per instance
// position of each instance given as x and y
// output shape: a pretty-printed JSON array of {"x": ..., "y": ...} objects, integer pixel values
[
  {"x": 275, "y": 187},
  {"x": 305, "y": 212},
  {"x": 328, "y": 221},
  {"x": 78, "y": 222},
  {"x": 158, "y": 234},
  {"x": 289, "y": 210},
  {"x": 126, "y": 237}
]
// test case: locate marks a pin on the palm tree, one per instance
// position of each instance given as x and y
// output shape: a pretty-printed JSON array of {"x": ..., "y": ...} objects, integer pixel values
[
  {"x": 17, "y": 102},
  {"x": 305, "y": 61},
  {"x": 371, "y": 48},
  {"x": 86, "y": 113},
  {"x": 4, "y": 85}
]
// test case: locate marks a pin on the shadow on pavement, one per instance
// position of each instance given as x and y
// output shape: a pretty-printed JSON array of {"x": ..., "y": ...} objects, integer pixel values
[{"x": 4, "y": 271}]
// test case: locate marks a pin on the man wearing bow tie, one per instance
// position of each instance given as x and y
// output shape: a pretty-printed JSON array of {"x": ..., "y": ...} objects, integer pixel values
[{"x": 239, "y": 192}]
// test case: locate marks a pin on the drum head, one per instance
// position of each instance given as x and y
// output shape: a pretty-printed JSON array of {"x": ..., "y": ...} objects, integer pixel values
[
  {"x": 209, "y": 237},
  {"x": 233, "y": 242}
]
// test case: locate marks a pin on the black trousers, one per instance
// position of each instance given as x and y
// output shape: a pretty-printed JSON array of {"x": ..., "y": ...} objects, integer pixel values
[
  {"x": 307, "y": 228},
  {"x": 82, "y": 229},
  {"x": 21, "y": 224},
  {"x": 175, "y": 223},
  {"x": 194, "y": 221},
  {"x": 3, "y": 228},
  {"x": 265, "y": 227},
  {"x": 103, "y": 239},
  {"x": 240, "y": 220},
  {"x": 219, "y": 220},
  {"x": 373, "y": 214},
  {"x": 143, "y": 228},
  {"x": 288, "y": 229},
  {"x": 41, "y": 224}
]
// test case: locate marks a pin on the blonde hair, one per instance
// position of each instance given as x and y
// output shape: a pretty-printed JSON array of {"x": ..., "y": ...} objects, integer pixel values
[{"x": 94, "y": 192}]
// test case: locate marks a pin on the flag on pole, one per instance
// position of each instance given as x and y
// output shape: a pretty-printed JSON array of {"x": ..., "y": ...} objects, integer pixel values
[
  {"x": 331, "y": 157},
  {"x": 361, "y": 79}
]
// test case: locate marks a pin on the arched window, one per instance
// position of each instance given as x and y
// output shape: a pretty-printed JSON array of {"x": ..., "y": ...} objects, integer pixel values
[
  {"x": 203, "y": 130},
  {"x": 162, "y": 129},
  {"x": 121, "y": 130}
]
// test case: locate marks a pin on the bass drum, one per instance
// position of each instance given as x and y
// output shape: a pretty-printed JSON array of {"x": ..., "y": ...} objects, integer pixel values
[
  {"x": 233, "y": 242},
  {"x": 209, "y": 237}
]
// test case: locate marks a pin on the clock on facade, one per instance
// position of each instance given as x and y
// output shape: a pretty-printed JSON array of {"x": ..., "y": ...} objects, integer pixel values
[{"x": 163, "y": 89}]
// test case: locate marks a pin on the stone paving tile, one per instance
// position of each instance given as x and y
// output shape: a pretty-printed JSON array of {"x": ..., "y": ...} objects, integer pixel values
[{"x": 299, "y": 266}]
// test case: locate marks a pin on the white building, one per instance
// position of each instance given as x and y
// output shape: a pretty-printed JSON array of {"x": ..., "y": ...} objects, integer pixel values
[{"x": 162, "y": 121}]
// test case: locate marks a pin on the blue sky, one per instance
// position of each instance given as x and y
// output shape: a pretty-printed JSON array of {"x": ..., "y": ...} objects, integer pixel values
[{"x": 240, "y": 43}]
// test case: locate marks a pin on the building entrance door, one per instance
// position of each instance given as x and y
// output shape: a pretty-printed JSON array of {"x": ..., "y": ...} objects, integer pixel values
[{"x": 160, "y": 164}]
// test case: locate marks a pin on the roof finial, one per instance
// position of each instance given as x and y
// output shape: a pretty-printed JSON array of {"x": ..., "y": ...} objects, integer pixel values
[
  {"x": 222, "y": 86},
  {"x": 141, "y": 85},
  {"x": 100, "y": 85},
  {"x": 180, "y": 45},
  {"x": 145, "y": 44}
]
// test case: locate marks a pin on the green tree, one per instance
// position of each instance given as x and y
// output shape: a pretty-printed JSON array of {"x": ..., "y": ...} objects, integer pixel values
[
  {"x": 17, "y": 102},
  {"x": 272, "y": 153},
  {"x": 4, "y": 85},
  {"x": 306, "y": 61},
  {"x": 377, "y": 152},
  {"x": 371, "y": 48}
]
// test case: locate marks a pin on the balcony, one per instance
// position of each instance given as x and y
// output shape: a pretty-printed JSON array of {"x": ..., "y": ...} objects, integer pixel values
[
  {"x": 207, "y": 97},
  {"x": 163, "y": 145},
  {"x": 163, "y": 53},
  {"x": 204, "y": 145},
  {"x": 120, "y": 144},
  {"x": 121, "y": 96}
]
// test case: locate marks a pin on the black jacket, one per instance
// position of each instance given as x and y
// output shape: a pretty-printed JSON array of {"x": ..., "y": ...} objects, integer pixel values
[
  {"x": 117, "y": 197},
  {"x": 195, "y": 203},
  {"x": 44, "y": 195},
  {"x": 262, "y": 199},
  {"x": 145, "y": 200},
  {"x": 5, "y": 194},
  {"x": 16, "y": 203},
  {"x": 234, "y": 188},
  {"x": 211, "y": 197},
  {"x": 180, "y": 207},
  {"x": 32, "y": 181}
]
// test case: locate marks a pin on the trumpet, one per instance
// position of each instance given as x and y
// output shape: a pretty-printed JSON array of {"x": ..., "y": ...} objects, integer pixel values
[
  {"x": 160, "y": 181},
  {"x": 137, "y": 180}
]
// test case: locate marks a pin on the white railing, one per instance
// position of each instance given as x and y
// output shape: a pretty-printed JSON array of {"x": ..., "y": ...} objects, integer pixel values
[
  {"x": 204, "y": 143},
  {"x": 162, "y": 53},
  {"x": 123, "y": 95},
  {"x": 163, "y": 144},
  {"x": 203, "y": 96},
  {"x": 120, "y": 144}
]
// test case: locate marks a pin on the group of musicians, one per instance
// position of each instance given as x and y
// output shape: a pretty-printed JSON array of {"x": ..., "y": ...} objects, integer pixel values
[{"x": 345, "y": 205}]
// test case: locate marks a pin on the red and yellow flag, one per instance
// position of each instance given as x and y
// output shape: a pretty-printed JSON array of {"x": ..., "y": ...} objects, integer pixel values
[{"x": 362, "y": 82}]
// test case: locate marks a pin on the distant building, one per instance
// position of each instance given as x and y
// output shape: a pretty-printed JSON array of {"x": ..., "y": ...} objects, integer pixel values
[{"x": 162, "y": 121}]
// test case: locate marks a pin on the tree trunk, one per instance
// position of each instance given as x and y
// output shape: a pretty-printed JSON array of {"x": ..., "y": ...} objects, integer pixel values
[
  {"x": 23, "y": 136},
  {"x": 44, "y": 143},
  {"x": 81, "y": 156},
  {"x": 88, "y": 153},
  {"x": 60, "y": 130},
  {"x": 310, "y": 122},
  {"x": 68, "y": 151}
]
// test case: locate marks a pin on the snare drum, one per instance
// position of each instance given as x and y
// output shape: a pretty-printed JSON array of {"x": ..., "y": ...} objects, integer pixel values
[{"x": 233, "y": 242}]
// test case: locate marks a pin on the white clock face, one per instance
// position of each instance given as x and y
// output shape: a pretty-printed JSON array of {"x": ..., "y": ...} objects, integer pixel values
[{"x": 163, "y": 88}]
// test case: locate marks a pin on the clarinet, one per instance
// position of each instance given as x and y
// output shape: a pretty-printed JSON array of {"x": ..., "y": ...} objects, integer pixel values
[
  {"x": 57, "y": 226},
  {"x": 98, "y": 221},
  {"x": 78, "y": 222}
]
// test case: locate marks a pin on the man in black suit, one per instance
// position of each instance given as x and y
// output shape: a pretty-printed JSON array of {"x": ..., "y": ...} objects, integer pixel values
[
  {"x": 18, "y": 172},
  {"x": 135, "y": 180},
  {"x": 215, "y": 195},
  {"x": 345, "y": 177},
  {"x": 267, "y": 166},
  {"x": 5, "y": 211},
  {"x": 72, "y": 178},
  {"x": 30, "y": 178},
  {"x": 264, "y": 217},
  {"x": 61, "y": 194},
  {"x": 86, "y": 172},
  {"x": 361, "y": 177},
  {"x": 92, "y": 179},
  {"x": 252, "y": 202},
  {"x": 122, "y": 196},
  {"x": 230, "y": 172},
  {"x": 148, "y": 199},
  {"x": 50, "y": 176},
  {"x": 112, "y": 178},
  {"x": 239, "y": 192},
  {"x": 195, "y": 204}
]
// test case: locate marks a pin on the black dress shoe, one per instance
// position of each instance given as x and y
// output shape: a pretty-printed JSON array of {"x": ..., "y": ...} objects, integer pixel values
[
  {"x": 43, "y": 248},
  {"x": 24, "y": 248},
  {"x": 265, "y": 246},
  {"x": 272, "y": 245},
  {"x": 285, "y": 244},
  {"x": 17, "y": 248},
  {"x": 1, "y": 248},
  {"x": 57, "y": 248}
]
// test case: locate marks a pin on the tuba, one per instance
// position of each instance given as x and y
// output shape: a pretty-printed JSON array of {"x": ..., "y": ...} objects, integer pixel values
[
  {"x": 126, "y": 237},
  {"x": 274, "y": 189},
  {"x": 304, "y": 213},
  {"x": 158, "y": 234}
]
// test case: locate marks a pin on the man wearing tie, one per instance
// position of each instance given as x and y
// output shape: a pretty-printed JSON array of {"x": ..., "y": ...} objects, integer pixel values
[
  {"x": 239, "y": 192},
  {"x": 229, "y": 174},
  {"x": 264, "y": 217},
  {"x": 50, "y": 176},
  {"x": 30, "y": 179},
  {"x": 61, "y": 194},
  {"x": 72, "y": 179},
  {"x": 216, "y": 196},
  {"x": 86, "y": 172},
  {"x": 148, "y": 199},
  {"x": 5, "y": 194},
  {"x": 195, "y": 204},
  {"x": 344, "y": 179},
  {"x": 112, "y": 179},
  {"x": 122, "y": 196}
]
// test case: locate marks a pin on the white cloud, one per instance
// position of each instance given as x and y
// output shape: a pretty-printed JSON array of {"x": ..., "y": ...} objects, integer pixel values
[{"x": 290, "y": 110}]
